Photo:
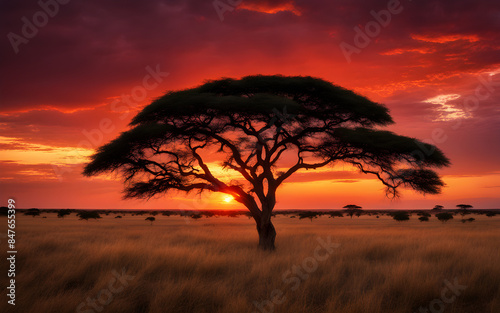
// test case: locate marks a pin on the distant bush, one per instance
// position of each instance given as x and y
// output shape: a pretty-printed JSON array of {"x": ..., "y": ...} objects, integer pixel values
[
  {"x": 401, "y": 216},
  {"x": 3, "y": 211},
  {"x": 63, "y": 213},
  {"x": 336, "y": 214},
  {"x": 86, "y": 215},
  {"x": 32, "y": 212},
  {"x": 468, "y": 220},
  {"x": 444, "y": 216},
  {"x": 424, "y": 214},
  {"x": 308, "y": 214},
  {"x": 208, "y": 214},
  {"x": 196, "y": 216},
  {"x": 423, "y": 218},
  {"x": 118, "y": 216},
  {"x": 491, "y": 214}
]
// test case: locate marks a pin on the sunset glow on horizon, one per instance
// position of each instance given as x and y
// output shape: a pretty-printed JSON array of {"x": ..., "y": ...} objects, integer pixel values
[{"x": 78, "y": 83}]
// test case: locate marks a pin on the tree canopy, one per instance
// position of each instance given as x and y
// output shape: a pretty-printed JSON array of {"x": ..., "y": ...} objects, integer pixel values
[
  {"x": 464, "y": 207},
  {"x": 264, "y": 129}
]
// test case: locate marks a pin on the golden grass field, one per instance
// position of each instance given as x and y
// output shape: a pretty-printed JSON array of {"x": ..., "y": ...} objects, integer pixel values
[{"x": 213, "y": 265}]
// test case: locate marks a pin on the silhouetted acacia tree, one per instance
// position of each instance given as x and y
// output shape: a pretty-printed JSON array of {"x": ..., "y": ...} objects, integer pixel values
[
  {"x": 253, "y": 124},
  {"x": 151, "y": 219},
  {"x": 438, "y": 208},
  {"x": 464, "y": 207},
  {"x": 464, "y": 210},
  {"x": 352, "y": 209}
]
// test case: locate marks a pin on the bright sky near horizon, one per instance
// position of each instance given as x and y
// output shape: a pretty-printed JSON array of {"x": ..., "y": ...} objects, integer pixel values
[{"x": 73, "y": 80}]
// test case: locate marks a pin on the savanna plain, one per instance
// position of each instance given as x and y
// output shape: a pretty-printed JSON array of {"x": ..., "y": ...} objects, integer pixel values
[{"x": 207, "y": 265}]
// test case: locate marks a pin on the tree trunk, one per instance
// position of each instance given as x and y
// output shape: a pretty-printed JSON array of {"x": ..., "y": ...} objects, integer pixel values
[
  {"x": 267, "y": 235},
  {"x": 262, "y": 217}
]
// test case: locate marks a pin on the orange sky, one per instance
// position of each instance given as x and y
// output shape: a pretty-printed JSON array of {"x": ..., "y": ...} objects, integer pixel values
[{"x": 77, "y": 83}]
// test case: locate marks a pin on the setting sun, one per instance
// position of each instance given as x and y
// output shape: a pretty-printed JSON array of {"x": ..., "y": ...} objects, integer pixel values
[{"x": 228, "y": 199}]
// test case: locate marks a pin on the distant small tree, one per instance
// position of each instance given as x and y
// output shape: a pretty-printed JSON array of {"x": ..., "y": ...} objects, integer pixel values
[
  {"x": 464, "y": 207},
  {"x": 401, "y": 216},
  {"x": 438, "y": 208},
  {"x": 63, "y": 213},
  {"x": 196, "y": 216},
  {"x": 86, "y": 215},
  {"x": 423, "y": 218},
  {"x": 352, "y": 209},
  {"x": 32, "y": 212},
  {"x": 151, "y": 219},
  {"x": 118, "y": 216},
  {"x": 444, "y": 216},
  {"x": 308, "y": 214}
]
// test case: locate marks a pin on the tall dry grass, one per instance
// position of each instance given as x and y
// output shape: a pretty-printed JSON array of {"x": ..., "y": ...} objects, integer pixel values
[{"x": 213, "y": 265}]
